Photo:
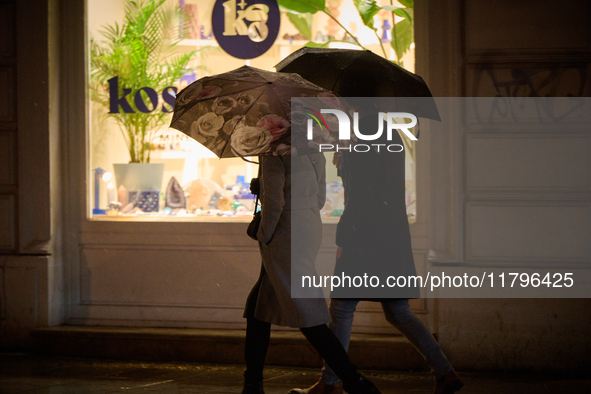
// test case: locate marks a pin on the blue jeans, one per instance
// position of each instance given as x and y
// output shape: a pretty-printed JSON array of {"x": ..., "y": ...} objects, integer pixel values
[{"x": 398, "y": 314}]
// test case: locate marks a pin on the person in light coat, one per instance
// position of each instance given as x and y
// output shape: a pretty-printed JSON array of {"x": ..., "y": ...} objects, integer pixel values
[{"x": 292, "y": 193}]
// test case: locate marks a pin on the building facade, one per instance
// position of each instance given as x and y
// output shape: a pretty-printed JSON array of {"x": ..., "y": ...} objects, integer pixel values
[{"x": 58, "y": 266}]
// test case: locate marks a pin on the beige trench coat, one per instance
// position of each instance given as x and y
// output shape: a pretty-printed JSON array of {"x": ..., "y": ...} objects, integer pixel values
[{"x": 286, "y": 208}]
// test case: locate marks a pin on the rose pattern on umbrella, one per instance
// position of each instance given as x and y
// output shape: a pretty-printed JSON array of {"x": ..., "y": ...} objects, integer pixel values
[
  {"x": 197, "y": 92},
  {"x": 264, "y": 108},
  {"x": 250, "y": 141},
  {"x": 207, "y": 125},
  {"x": 231, "y": 124},
  {"x": 222, "y": 105},
  {"x": 244, "y": 100},
  {"x": 187, "y": 95},
  {"x": 209, "y": 91},
  {"x": 218, "y": 144},
  {"x": 276, "y": 125}
]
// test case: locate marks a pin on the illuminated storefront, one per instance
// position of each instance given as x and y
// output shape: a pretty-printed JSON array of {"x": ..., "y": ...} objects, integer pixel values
[
  {"x": 211, "y": 189},
  {"x": 151, "y": 263}
]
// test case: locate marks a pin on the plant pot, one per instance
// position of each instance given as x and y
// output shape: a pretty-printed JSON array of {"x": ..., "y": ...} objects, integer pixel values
[{"x": 142, "y": 182}]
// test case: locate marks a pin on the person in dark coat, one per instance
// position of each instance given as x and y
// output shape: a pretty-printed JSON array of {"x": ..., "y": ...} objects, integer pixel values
[
  {"x": 373, "y": 239},
  {"x": 287, "y": 209}
]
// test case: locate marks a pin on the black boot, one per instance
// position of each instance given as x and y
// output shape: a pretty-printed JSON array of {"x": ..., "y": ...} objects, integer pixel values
[
  {"x": 253, "y": 388},
  {"x": 360, "y": 386}
]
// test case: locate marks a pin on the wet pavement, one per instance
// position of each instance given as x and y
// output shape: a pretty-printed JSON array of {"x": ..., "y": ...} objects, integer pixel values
[{"x": 26, "y": 373}]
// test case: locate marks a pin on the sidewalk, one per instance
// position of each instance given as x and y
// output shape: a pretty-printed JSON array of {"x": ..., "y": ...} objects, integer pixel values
[{"x": 25, "y": 373}]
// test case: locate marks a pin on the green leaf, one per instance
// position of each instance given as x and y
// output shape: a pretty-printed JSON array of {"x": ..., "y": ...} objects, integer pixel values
[
  {"x": 402, "y": 37},
  {"x": 302, "y": 6},
  {"x": 301, "y": 23},
  {"x": 312, "y": 44},
  {"x": 400, "y": 11},
  {"x": 367, "y": 10},
  {"x": 406, "y": 13},
  {"x": 407, "y": 3}
]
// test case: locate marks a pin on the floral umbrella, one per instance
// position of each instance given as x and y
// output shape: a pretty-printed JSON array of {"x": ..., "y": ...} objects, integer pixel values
[{"x": 244, "y": 112}]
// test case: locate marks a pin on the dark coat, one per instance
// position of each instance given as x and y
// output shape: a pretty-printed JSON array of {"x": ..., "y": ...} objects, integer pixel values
[{"x": 373, "y": 229}]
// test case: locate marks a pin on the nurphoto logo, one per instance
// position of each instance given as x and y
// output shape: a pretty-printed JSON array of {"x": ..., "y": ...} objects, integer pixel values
[{"x": 344, "y": 130}]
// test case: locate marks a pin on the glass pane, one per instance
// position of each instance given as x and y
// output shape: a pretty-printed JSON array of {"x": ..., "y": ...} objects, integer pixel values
[{"x": 185, "y": 181}]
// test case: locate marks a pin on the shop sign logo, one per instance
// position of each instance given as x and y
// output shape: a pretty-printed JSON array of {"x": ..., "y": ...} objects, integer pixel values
[
  {"x": 116, "y": 101},
  {"x": 234, "y": 20},
  {"x": 245, "y": 29}
]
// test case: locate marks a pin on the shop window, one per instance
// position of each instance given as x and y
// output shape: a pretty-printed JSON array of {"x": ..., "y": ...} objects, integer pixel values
[{"x": 186, "y": 181}]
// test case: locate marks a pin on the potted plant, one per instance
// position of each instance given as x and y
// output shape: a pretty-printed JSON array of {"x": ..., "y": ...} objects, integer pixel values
[{"x": 132, "y": 71}]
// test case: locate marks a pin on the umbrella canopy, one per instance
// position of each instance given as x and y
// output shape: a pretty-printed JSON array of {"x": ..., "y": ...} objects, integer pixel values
[
  {"x": 361, "y": 73},
  {"x": 244, "y": 112}
]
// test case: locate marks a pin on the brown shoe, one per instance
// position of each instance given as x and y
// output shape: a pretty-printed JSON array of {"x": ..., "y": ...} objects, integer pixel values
[
  {"x": 448, "y": 383},
  {"x": 320, "y": 388}
]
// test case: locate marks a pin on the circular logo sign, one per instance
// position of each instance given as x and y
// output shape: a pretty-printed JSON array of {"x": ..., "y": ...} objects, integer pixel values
[{"x": 245, "y": 29}]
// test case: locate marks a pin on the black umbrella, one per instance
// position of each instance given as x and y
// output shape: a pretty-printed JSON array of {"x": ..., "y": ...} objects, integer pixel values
[{"x": 361, "y": 73}]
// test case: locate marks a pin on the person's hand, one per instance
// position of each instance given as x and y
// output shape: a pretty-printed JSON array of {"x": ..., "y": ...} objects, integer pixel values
[
  {"x": 336, "y": 159},
  {"x": 339, "y": 252}
]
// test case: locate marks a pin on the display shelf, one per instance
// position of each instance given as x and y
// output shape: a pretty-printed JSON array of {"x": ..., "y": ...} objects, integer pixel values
[{"x": 190, "y": 42}]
